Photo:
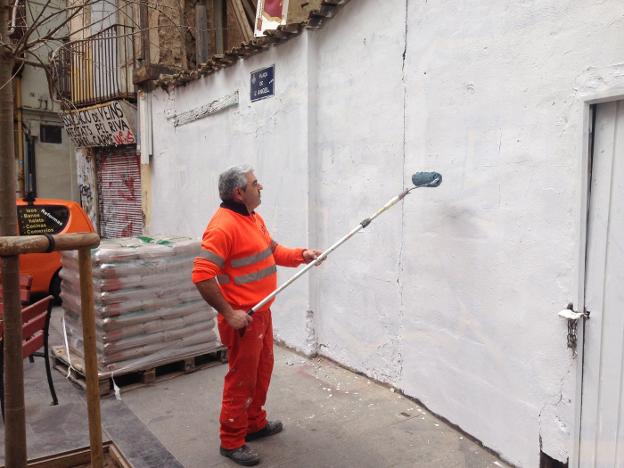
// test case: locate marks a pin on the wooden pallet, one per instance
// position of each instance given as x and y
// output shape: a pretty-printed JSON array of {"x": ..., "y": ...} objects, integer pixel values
[{"x": 128, "y": 380}]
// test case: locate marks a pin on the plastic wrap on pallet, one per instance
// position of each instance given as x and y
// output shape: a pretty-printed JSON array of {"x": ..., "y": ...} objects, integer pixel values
[
  {"x": 208, "y": 338},
  {"x": 175, "y": 289},
  {"x": 163, "y": 350},
  {"x": 126, "y": 321},
  {"x": 147, "y": 308},
  {"x": 126, "y": 249},
  {"x": 141, "y": 363},
  {"x": 137, "y": 267},
  {"x": 71, "y": 280},
  {"x": 155, "y": 325},
  {"x": 113, "y": 310},
  {"x": 108, "y": 348}
]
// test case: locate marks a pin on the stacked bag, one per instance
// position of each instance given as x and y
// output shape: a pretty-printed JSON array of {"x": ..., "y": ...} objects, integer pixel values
[{"x": 147, "y": 309}]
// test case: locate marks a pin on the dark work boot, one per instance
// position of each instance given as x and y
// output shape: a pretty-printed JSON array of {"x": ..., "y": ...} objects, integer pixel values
[
  {"x": 271, "y": 428},
  {"x": 244, "y": 455}
]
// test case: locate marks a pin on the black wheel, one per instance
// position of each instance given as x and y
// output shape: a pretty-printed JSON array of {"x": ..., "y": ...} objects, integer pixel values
[{"x": 55, "y": 288}]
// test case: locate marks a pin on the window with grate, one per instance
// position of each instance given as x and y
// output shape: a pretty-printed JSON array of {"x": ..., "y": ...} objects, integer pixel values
[{"x": 51, "y": 134}]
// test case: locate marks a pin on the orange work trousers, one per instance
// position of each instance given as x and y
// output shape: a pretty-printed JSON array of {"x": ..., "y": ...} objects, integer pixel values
[{"x": 250, "y": 364}]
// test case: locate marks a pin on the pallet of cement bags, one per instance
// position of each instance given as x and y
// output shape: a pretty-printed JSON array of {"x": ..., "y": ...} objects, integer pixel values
[{"x": 147, "y": 310}]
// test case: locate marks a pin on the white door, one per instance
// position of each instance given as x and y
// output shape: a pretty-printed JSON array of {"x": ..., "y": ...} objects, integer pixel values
[{"x": 602, "y": 413}]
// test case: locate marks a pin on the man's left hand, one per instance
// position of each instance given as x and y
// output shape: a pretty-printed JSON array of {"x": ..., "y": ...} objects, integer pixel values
[{"x": 309, "y": 255}]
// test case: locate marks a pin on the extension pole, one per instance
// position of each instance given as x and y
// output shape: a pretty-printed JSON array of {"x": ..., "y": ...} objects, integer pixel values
[
  {"x": 419, "y": 179},
  {"x": 338, "y": 243}
]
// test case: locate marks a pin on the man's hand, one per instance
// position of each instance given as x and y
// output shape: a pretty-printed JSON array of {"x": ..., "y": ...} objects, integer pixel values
[
  {"x": 238, "y": 319},
  {"x": 310, "y": 255}
]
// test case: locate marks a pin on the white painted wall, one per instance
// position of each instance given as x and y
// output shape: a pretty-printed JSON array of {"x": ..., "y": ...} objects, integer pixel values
[
  {"x": 271, "y": 135},
  {"x": 451, "y": 297}
]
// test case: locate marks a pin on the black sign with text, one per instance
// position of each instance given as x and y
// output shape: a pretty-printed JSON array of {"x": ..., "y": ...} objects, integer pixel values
[
  {"x": 41, "y": 219},
  {"x": 262, "y": 83}
]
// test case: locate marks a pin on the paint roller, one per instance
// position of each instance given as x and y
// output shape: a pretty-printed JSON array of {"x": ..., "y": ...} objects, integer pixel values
[{"x": 419, "y": 179}]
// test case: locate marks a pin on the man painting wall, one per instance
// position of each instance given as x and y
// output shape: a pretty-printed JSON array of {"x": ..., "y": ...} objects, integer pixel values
[{"x": 235, "y": 270}]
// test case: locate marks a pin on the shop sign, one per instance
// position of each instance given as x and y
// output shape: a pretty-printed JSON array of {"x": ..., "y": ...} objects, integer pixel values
[{"x": 109, "y": 124}]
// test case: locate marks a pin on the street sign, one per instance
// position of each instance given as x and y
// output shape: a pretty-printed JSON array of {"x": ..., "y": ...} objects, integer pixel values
[{"x": 262, "y": 83}]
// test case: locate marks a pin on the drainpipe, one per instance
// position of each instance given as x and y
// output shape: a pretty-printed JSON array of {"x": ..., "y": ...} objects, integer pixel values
[
  {"x": 19, "y": 137},
  {"x": 31, "y": 168},
  {"x": 13, "y": 25}
]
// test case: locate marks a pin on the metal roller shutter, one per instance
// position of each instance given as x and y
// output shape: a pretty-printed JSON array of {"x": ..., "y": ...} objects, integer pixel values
[{"x": 119, "y": 191}]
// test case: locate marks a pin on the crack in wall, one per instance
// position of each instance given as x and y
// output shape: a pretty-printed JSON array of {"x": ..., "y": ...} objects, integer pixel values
[
  {"x": 405, "y": 39},
  {"x": 402, "y": 243}
]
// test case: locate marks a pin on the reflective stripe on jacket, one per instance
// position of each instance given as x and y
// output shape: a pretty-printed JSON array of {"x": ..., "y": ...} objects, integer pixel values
[{"x": 238, "y": 250}]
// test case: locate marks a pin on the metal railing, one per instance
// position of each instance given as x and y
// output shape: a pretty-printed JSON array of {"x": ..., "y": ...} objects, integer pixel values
[{"x": 96, "y": 69}]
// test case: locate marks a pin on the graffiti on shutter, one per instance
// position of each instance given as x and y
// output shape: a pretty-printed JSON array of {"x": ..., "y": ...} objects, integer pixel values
[{"x": 119, "y": 192}]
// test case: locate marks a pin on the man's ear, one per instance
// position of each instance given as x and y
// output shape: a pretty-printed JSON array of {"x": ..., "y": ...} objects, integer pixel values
[{"x": 238, "y": 191}]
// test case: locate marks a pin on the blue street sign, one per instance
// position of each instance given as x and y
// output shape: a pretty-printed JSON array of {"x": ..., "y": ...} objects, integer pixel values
[{"x": 262, "y": 83}]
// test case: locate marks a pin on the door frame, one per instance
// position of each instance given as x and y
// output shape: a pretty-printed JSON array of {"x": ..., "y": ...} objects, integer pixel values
[{"x": 588, "y": 101}]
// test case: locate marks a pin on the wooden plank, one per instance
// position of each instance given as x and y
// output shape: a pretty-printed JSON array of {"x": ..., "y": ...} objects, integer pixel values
[
  {"x": 202, "y": 38},
  {"x": 128, "y": 380},
  {"x": 79, "y": 457},
  {"x": 241, "y": 19},
  {"x": 218, "y": 7},
  {"x": 15, "y": 245},
  {"x": 213, "y": 107},
  {"x": 89, "y": 338},
  {"x": 250, "y": 10}
]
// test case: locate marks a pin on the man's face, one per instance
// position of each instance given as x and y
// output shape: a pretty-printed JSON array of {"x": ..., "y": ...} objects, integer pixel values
[{"x": 250, "y": 195}]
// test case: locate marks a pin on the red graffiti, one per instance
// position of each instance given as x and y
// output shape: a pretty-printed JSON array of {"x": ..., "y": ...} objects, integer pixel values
[
  {"x": 124, "y": 138},
  {"x": 129, "y": 183},
  {"x": 273, "y": 8}
]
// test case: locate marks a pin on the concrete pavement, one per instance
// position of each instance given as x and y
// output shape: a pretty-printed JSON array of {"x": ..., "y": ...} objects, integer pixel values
[{"x": 332, "y": 418}]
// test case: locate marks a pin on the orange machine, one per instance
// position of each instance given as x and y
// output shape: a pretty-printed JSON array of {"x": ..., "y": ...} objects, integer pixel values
[{"x": 48, "y": 216}]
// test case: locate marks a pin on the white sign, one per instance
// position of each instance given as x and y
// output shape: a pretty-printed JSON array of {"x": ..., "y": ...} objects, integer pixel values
[
  {"x": 269, "y": 15},
  {"x": 110, "y": 124}
]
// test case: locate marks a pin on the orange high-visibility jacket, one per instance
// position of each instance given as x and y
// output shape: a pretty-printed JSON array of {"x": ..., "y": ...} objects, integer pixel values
[{"x": 238, "y": 250}]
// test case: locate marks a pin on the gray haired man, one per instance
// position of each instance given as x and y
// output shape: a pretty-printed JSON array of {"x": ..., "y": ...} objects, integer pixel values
[{"x": 235, "y": 270}]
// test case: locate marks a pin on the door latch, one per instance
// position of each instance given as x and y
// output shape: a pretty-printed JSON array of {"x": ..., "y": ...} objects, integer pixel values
[{"x": 573, "y": 316}]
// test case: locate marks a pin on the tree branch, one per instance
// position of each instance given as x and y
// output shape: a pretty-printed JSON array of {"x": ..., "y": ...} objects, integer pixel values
[
  {"x": 118, "y": 9},
  {"x": 30, "y": 62}
]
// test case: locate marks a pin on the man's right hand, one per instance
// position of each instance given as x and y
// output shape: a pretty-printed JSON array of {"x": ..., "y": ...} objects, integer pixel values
[{"x": 238, "y": 319}]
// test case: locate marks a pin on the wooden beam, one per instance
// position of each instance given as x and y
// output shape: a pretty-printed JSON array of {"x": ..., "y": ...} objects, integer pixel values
[
  {"x": 144, "y": 49},
  {"x": 16, "y": 245},
  {"x": 241, "y": 19},
  {"x": 87, "y": 310},
  {"x": 218, "y": 7},
  {"x": 250, "y": 11},
  {"x": 202, "y": 39}
]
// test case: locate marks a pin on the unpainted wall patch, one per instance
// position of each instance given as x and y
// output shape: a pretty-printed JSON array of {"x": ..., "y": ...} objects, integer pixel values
[{"x": 548, "y": 462}]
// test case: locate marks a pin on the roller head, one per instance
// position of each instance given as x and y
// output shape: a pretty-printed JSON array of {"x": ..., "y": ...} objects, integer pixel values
[{"x": 427, "y": 179}]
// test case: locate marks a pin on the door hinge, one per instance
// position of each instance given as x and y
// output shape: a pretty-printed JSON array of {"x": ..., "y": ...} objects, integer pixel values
[{"x": 573, "y": 316}]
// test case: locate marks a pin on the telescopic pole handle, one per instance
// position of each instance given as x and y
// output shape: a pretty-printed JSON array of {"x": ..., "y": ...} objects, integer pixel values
[{"x": 241, "y": 331}]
